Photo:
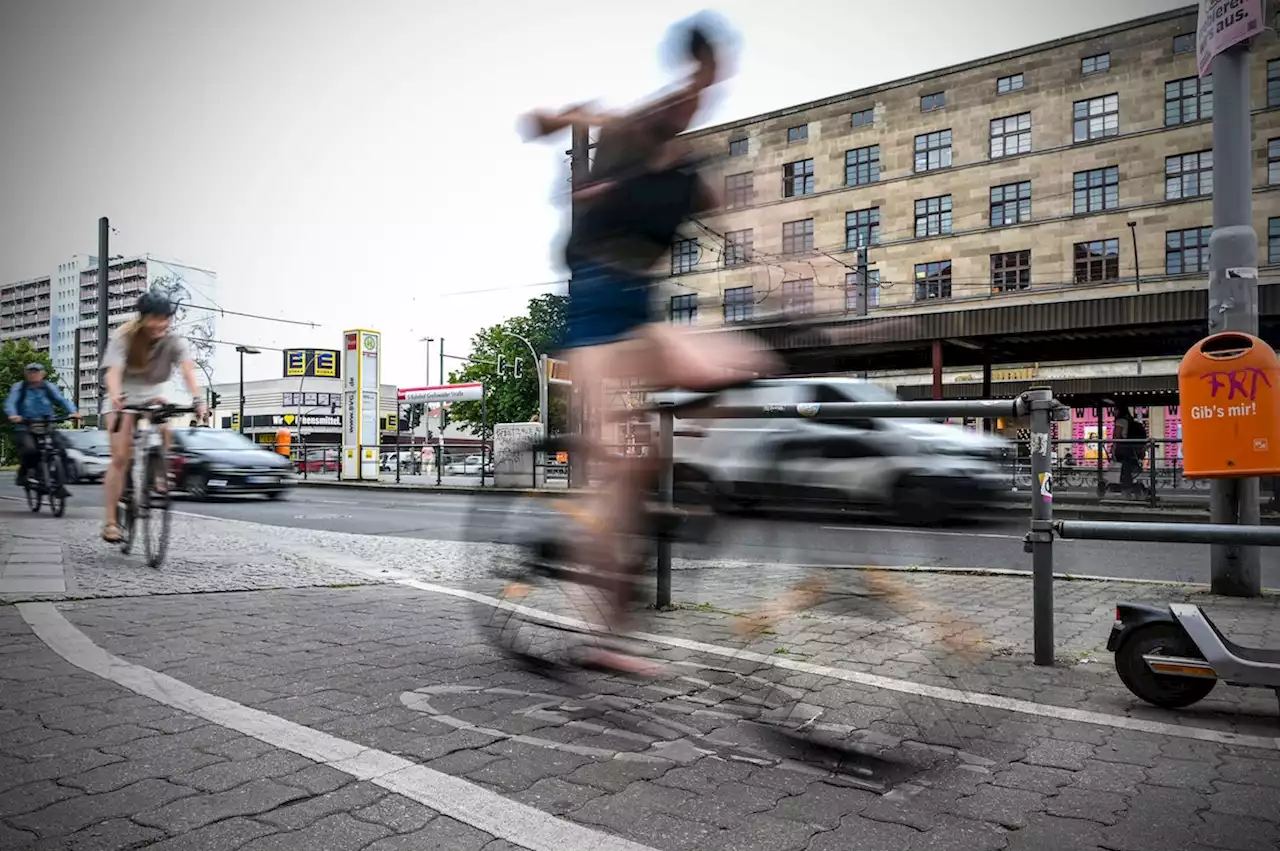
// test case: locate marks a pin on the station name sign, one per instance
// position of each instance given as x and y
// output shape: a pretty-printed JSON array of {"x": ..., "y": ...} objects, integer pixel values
[{"x": 471, "y": 392}]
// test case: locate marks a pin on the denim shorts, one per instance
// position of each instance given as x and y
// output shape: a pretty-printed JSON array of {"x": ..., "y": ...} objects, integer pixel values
[{"x": 605, "y": 304}]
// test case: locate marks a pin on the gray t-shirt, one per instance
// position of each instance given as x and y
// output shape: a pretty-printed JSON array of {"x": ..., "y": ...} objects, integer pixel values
[{"x": 165, "y": 355}]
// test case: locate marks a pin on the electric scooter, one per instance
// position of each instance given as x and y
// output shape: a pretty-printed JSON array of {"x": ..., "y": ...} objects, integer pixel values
[{"x": 1173, "y": 657}]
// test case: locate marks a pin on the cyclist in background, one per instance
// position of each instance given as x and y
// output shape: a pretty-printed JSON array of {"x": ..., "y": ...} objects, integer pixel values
[
  {"x": 33, "y": 398},
  {"x": 139, "y": 361},
  {"x": 643, "y": 184}
]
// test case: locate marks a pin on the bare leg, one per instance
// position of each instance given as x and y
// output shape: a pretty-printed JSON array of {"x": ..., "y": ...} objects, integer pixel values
[{"x": 121, "y": 454}]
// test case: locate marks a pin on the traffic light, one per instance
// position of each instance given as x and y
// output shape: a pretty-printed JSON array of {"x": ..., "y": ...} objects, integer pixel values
[{"x": 214, "y": 398}]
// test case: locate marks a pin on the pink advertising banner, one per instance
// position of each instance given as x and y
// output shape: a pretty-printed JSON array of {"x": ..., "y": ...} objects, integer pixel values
[{"x": 1223, "y": 24}]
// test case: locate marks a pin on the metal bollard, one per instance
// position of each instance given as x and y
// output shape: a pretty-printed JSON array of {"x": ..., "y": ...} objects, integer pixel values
[
  {"x": 666, "y": 499},
  {"x": 1039, "y": 541}
]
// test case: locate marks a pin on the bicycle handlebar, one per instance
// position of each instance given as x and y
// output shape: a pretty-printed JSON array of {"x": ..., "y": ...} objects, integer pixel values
[{"x": 155, "y": 413}]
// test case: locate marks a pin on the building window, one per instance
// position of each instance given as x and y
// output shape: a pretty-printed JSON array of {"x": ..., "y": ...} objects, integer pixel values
[
  {"x": 797, "y": 237},
  {"x": 933, "y": 280},
  {"x": 1011, "y": 83},
  {"x": 739, "y": 304},
  {"x": 1273, "y": 82},
  {"x": 797, "y": 178},
  {"x": 929, "y": 103},
  {"x": 863, "y": 118},
  {"x": 1273, "y": 241},
  {"x": 797, "y": 297},
  {"x": 1273, "y": 162},
  {"x": 1010, "y": 271},
  {"x": 1096, "y": 118},
  {"x": 933, "y": 216},
  {"x": 1095, "y": 64},
  {"x": 737, "y": 147},
  {"x": 684, "y": 309},
  {"x": 861, "y": 228},
  {"x": 1096, "y": 190},
  {"x": 684, "y": 256},
  {"x": 1186, "y": 250},
  {"x": 862, "y": 166},
  {"x": 933, "y": 151},
  {"x": 1011, "y": 135},
  {"x": 1011, "y": 204},
  {"x": 1188, "y": 100},
  {"x": 1188, "y": 175},
  {"x": 1097, "y": 261},
  {"x": 851, "y": 290},
  {"x": 737, "y": 247},
  {"x": 1184, "y": 43},
  {"x": 738, "y": 189},
  {"x": 797, "y": 134}
]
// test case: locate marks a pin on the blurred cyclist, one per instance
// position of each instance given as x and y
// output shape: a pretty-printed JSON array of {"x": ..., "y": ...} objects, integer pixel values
[
  {"x": 643, "y": 184},
  {"x": 139, "y": 362},
  {"x": 33, "y": 398}
]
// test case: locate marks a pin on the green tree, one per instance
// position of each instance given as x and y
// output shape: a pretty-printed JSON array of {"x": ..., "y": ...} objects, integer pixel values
[
  {"x": 14, "y": 357},
  {"x": 511, "y": 399}
]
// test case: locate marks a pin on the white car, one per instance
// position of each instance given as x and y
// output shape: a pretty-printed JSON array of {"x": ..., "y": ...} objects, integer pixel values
[
  {"x": 88, "y": 454},
  {"x": 468, "y": 467},
  {"x": 914, "y": 470}
]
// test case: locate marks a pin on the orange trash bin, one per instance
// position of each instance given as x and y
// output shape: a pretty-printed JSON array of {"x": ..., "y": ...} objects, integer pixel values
[
  {"x": 284, "y": 441},
  {"x": 1229, "y": 385}
]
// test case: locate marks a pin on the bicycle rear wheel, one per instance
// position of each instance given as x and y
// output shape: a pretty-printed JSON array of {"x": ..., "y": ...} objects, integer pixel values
[
  {"x": 52, "y": 474},
  {"x": 155, "y": 517}
]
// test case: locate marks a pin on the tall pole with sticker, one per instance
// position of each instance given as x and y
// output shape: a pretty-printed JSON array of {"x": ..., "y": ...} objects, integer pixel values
[{"x": 1222, "y": 49}]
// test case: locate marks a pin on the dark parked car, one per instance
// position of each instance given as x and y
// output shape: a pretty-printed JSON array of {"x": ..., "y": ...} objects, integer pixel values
[{"x": 206, "y": 462}]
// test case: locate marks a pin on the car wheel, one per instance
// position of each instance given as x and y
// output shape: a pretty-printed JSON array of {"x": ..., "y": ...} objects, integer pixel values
[
  {"x": 276, "y": 496},
  {"x": 197, "y": 485},
  {"x": 918, "y": 502}
]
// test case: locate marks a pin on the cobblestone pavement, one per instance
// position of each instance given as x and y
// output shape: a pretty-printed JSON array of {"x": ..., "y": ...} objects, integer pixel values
[{"x": 681, "y": 762}]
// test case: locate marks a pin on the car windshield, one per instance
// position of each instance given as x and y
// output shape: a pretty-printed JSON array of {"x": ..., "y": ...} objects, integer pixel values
[
  {"x": 209, "y": 438},
  {"x": 87, "y": 440}
]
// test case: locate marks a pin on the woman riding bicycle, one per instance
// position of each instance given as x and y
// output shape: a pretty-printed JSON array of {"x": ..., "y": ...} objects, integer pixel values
[
  {"x": 642, "y": 186},
  {"x": 139, "y": 362}
]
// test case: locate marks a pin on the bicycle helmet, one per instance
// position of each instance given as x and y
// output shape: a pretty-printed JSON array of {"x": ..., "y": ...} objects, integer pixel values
[{"x": 154, "y": 304}]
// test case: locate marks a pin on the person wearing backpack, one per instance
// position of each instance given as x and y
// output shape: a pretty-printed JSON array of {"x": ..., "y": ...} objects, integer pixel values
[
  {"x": 1128, "y": 428},
  {"x": 33, "y": 398}
]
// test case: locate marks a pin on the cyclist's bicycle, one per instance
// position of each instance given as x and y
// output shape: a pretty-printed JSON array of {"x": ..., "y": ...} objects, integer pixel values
[
  {"x": 46, "y": 481},
  {"x": 146, "y": 493},
  {"x": 549, "y": 620}
]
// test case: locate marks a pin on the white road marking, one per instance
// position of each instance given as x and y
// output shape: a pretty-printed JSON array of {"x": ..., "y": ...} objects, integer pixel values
[
  {"x": 971, "y": 698},
  {"x": 521, "y": 825},
  {"x": 884, "y": 530}
]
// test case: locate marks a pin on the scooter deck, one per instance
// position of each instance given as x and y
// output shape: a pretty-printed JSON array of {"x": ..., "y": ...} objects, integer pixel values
[{"x": 1249, "y": 666}]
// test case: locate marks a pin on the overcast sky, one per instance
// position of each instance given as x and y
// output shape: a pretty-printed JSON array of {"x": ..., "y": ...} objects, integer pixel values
[{"x": 356, "y": 164}]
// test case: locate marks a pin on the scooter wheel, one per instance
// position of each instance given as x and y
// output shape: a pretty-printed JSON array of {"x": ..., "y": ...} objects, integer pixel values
[{"x": 1162, "y": 690}]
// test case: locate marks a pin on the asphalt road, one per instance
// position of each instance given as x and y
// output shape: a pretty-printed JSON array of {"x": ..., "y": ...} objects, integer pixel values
[{"x": 855, "y": 541}]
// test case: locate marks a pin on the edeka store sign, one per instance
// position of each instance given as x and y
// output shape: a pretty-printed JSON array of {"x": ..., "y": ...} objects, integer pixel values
[{"x": 310, "y": 420}]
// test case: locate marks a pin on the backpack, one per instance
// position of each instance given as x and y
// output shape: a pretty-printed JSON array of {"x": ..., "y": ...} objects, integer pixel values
[{"x": 22, "y": 394}]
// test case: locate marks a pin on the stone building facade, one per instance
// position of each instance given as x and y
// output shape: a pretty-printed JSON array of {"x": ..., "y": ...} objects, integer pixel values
[{"x": 1024, "y": 177}]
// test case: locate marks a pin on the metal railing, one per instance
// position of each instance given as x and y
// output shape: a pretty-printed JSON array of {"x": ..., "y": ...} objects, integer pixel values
[{"x": 1043, "y": 410}]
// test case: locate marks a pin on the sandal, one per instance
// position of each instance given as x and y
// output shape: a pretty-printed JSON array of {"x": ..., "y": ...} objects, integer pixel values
[{"x": 111, "y": 533}]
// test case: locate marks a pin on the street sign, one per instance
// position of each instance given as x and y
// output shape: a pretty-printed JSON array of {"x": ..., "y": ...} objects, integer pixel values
[
  {"x": 470, "y": 392},
  {"x": 1223, "y": 24}
]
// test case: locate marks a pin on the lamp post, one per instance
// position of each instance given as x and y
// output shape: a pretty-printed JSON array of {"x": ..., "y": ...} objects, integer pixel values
[
  {"x": 1137, "y": 269},
  {"x": 426, "y": 426},
  {"x": 244, "y": 350},
  {"x": 543, "y": 412}
]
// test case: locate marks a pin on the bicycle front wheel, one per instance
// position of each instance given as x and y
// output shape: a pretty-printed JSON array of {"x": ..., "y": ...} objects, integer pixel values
[
  {"x": 52, "y": 474},
  {"x": 35, "y": 497},
  {"x": 155, "y": 514}
]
